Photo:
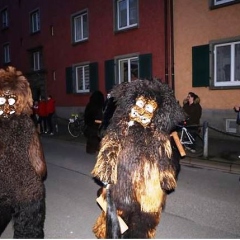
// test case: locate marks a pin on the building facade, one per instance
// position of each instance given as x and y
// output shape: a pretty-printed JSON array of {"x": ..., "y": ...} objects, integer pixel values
[
  {"x": 207, "y": 57},
  {"x": 68, "y": 49}
]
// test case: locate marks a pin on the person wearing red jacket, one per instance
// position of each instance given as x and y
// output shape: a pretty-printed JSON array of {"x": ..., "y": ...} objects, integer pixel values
[
  {"x": 50, "y": 111},
  {"x": 42, "y": 112}
]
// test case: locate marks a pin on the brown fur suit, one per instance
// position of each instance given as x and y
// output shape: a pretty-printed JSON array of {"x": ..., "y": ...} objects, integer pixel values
[
  {"x": 136, "y": 159},
  {"x": 22, "y": 163}
]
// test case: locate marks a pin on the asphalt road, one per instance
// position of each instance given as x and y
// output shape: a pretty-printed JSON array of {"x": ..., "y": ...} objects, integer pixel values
[{"x": 204, "y": 205}]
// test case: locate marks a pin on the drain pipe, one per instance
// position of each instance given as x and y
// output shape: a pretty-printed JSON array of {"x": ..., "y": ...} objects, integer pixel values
[
  {"x": 172, "y": 45},
  {"x": 169, "y": 43},
  {"x": 166, "y": 41}
]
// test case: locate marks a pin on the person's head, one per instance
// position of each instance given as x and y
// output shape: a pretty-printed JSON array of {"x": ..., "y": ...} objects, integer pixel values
[
  {"x": 191, "y": 97},
  {"x": 97, "y": 97}
]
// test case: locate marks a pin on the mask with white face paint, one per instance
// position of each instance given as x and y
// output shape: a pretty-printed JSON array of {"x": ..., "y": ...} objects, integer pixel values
[{"x": 7, "y": 104}]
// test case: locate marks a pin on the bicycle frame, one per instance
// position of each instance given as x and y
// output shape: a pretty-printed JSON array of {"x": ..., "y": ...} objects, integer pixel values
[{"x": 185, "y": 132}]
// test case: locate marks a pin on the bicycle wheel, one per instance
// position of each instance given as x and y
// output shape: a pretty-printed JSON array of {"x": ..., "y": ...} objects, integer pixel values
[
  {"x": 74, "y": 129},
  {"x": 198, "y": 151}
]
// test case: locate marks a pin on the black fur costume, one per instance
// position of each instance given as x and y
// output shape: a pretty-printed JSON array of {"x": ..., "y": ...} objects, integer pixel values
[
  {"x": 22, "y": 163},
  {"x": 137, "y": 161}
]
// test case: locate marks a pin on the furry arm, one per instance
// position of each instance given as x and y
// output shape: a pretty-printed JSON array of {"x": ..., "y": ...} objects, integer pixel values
[
  {"x": 105, "y": 168},
  {"x": 36, "y": 156},
  {"x": 167, "y": 173}
]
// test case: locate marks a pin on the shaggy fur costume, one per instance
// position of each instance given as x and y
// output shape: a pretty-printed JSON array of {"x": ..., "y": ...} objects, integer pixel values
[
  {"x": 136, "y": 159},
  {"x": 22, "y": 163}
]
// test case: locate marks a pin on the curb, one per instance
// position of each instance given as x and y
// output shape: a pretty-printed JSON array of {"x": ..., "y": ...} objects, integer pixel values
[{"x": 216, "y": 164}]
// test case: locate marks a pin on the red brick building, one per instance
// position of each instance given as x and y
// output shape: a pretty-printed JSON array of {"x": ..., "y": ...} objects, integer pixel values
[{"x": 70, "y": 48}]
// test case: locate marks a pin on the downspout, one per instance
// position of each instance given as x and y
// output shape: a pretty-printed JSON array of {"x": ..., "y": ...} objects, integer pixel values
[
  {"x": 172, "y": 45},
  {"x": 166, "y": 40},
  {"x": 169, "y": 43}
]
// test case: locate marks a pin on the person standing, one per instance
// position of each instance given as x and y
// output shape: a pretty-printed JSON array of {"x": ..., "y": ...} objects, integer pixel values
[
  {"x": 93, "y": 112},
  {"x": 50, "y": 111},
  {"x": 193, "y": 110},
  {"x": 108, "y": 111},
  {"x": 42, "y": 112},
  {"x": 35, "y": 113}
]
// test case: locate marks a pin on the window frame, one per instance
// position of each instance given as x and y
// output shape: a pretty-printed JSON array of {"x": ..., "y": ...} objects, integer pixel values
[
  {"x": 223, "y": 3},
  {"x": 120, "y": 67},
  {"x": 35, "y": 21},
  {"x": 6, "y": 53},
  {"x": 128, "y": 17},
  {"x": 213, "y": 66},
  {"x": 36, "y": 57},
  {"x": 84, "y": 68},
  {"x": 84, "y": 27},
  {"x": 5, "y": 18}
]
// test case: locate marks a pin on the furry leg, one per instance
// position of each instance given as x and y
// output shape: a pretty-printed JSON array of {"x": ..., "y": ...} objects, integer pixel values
[
  {"x": 99, "y": 228},
  {"x": 141, "y": 224},
  {"x": 29, "y": 220}
]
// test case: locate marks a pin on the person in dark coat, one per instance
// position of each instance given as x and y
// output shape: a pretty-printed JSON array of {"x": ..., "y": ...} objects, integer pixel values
[
  {"x": 193, "y": 111},
  {"x": 50, "y": 106},
  {"x": 192, "y": 108},
  {"x": 93, "y": 112},
  {"x": 109, "y": 109}
]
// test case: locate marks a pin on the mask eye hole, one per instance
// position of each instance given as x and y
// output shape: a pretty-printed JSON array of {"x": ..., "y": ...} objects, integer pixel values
[
  {"x": 149, "y": 108},
  {"x": 140, "y": 103},
  {"x": 11, "y": 101},
  {"x": 2, "y": 100}
]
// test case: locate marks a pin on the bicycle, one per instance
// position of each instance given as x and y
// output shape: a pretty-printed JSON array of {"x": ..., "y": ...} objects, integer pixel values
[
  {"x": 188, "y": 141},
  {"x": 76, "y": 125}
]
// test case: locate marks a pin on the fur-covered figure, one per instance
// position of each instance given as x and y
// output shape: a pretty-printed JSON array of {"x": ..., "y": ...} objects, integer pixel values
[
  {"x": 22, "y": 163},
  {"x": 135, "y": 160}
]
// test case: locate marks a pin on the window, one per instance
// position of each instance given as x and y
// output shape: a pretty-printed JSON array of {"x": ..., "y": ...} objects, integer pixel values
[
  {"x": 126, "y": 14},
  {"x": 80, "y": 27},
  {"x": 36, "y": 60},
  {"x": 217, "y": 64},
  {"x": 127, "y": 69},
  {"x": 222, "y": 3},
  {"x": 226, "y": 64},
  {"x": 4, "y": 15},
  {"x": 82, "y": 78},
  {"x": 6, "y": 53},
  {"x": 217, "y": 2},
  {"x": 35, "y": 21}
]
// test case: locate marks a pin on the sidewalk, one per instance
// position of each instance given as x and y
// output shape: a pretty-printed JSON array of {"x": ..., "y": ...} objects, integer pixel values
[{"x": 223, "y": 154}]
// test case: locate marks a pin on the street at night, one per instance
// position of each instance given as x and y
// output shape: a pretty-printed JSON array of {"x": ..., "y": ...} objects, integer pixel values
[{"x": 204, "y": 205}]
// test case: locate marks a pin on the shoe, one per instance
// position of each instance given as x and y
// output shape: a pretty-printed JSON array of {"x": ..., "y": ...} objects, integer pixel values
[
  {"x": 45, "y": 132},
  {"x": 51, "y": 133}
]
